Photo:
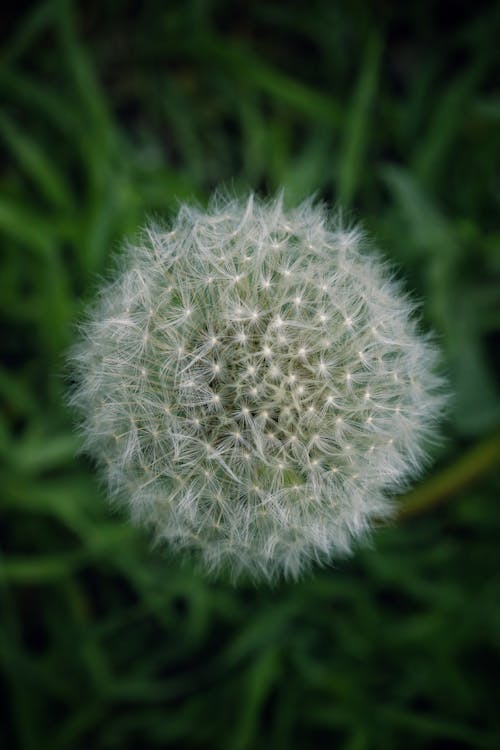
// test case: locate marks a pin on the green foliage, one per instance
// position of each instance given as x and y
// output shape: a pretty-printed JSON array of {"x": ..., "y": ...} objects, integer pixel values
[{"x": 112, "y": 112}]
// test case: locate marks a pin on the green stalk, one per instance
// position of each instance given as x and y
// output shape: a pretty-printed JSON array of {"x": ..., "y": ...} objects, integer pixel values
[{"x": 477, "y": 462}]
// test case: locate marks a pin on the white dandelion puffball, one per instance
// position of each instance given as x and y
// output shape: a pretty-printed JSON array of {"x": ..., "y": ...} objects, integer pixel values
[{"x": 254, "y": 387}]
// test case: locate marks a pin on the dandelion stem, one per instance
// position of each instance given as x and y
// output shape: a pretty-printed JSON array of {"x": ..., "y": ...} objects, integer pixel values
[{"x": 450, "y": 482}]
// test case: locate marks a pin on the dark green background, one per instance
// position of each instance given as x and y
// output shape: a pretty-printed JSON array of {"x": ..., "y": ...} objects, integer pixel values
[{"x": 111, "y": 112}]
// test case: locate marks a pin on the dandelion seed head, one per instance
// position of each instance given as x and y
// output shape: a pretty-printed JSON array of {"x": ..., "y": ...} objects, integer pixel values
[{"x": 254, "y": 386}]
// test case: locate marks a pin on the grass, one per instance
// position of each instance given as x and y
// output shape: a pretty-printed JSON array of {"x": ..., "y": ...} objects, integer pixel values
[{"x": 110, "y": 113}]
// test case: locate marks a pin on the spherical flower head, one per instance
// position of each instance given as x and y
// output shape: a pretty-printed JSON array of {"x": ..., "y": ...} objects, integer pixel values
[{"x": 254, "y": 387}]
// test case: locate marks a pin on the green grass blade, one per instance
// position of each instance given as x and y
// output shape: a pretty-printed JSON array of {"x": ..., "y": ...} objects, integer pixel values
[
  {"x": 36, "y": 164},
  {"x": 357, "y": 130}
]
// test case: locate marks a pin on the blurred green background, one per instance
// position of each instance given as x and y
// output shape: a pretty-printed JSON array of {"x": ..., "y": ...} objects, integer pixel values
[{"x": 114, "y": 111}]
